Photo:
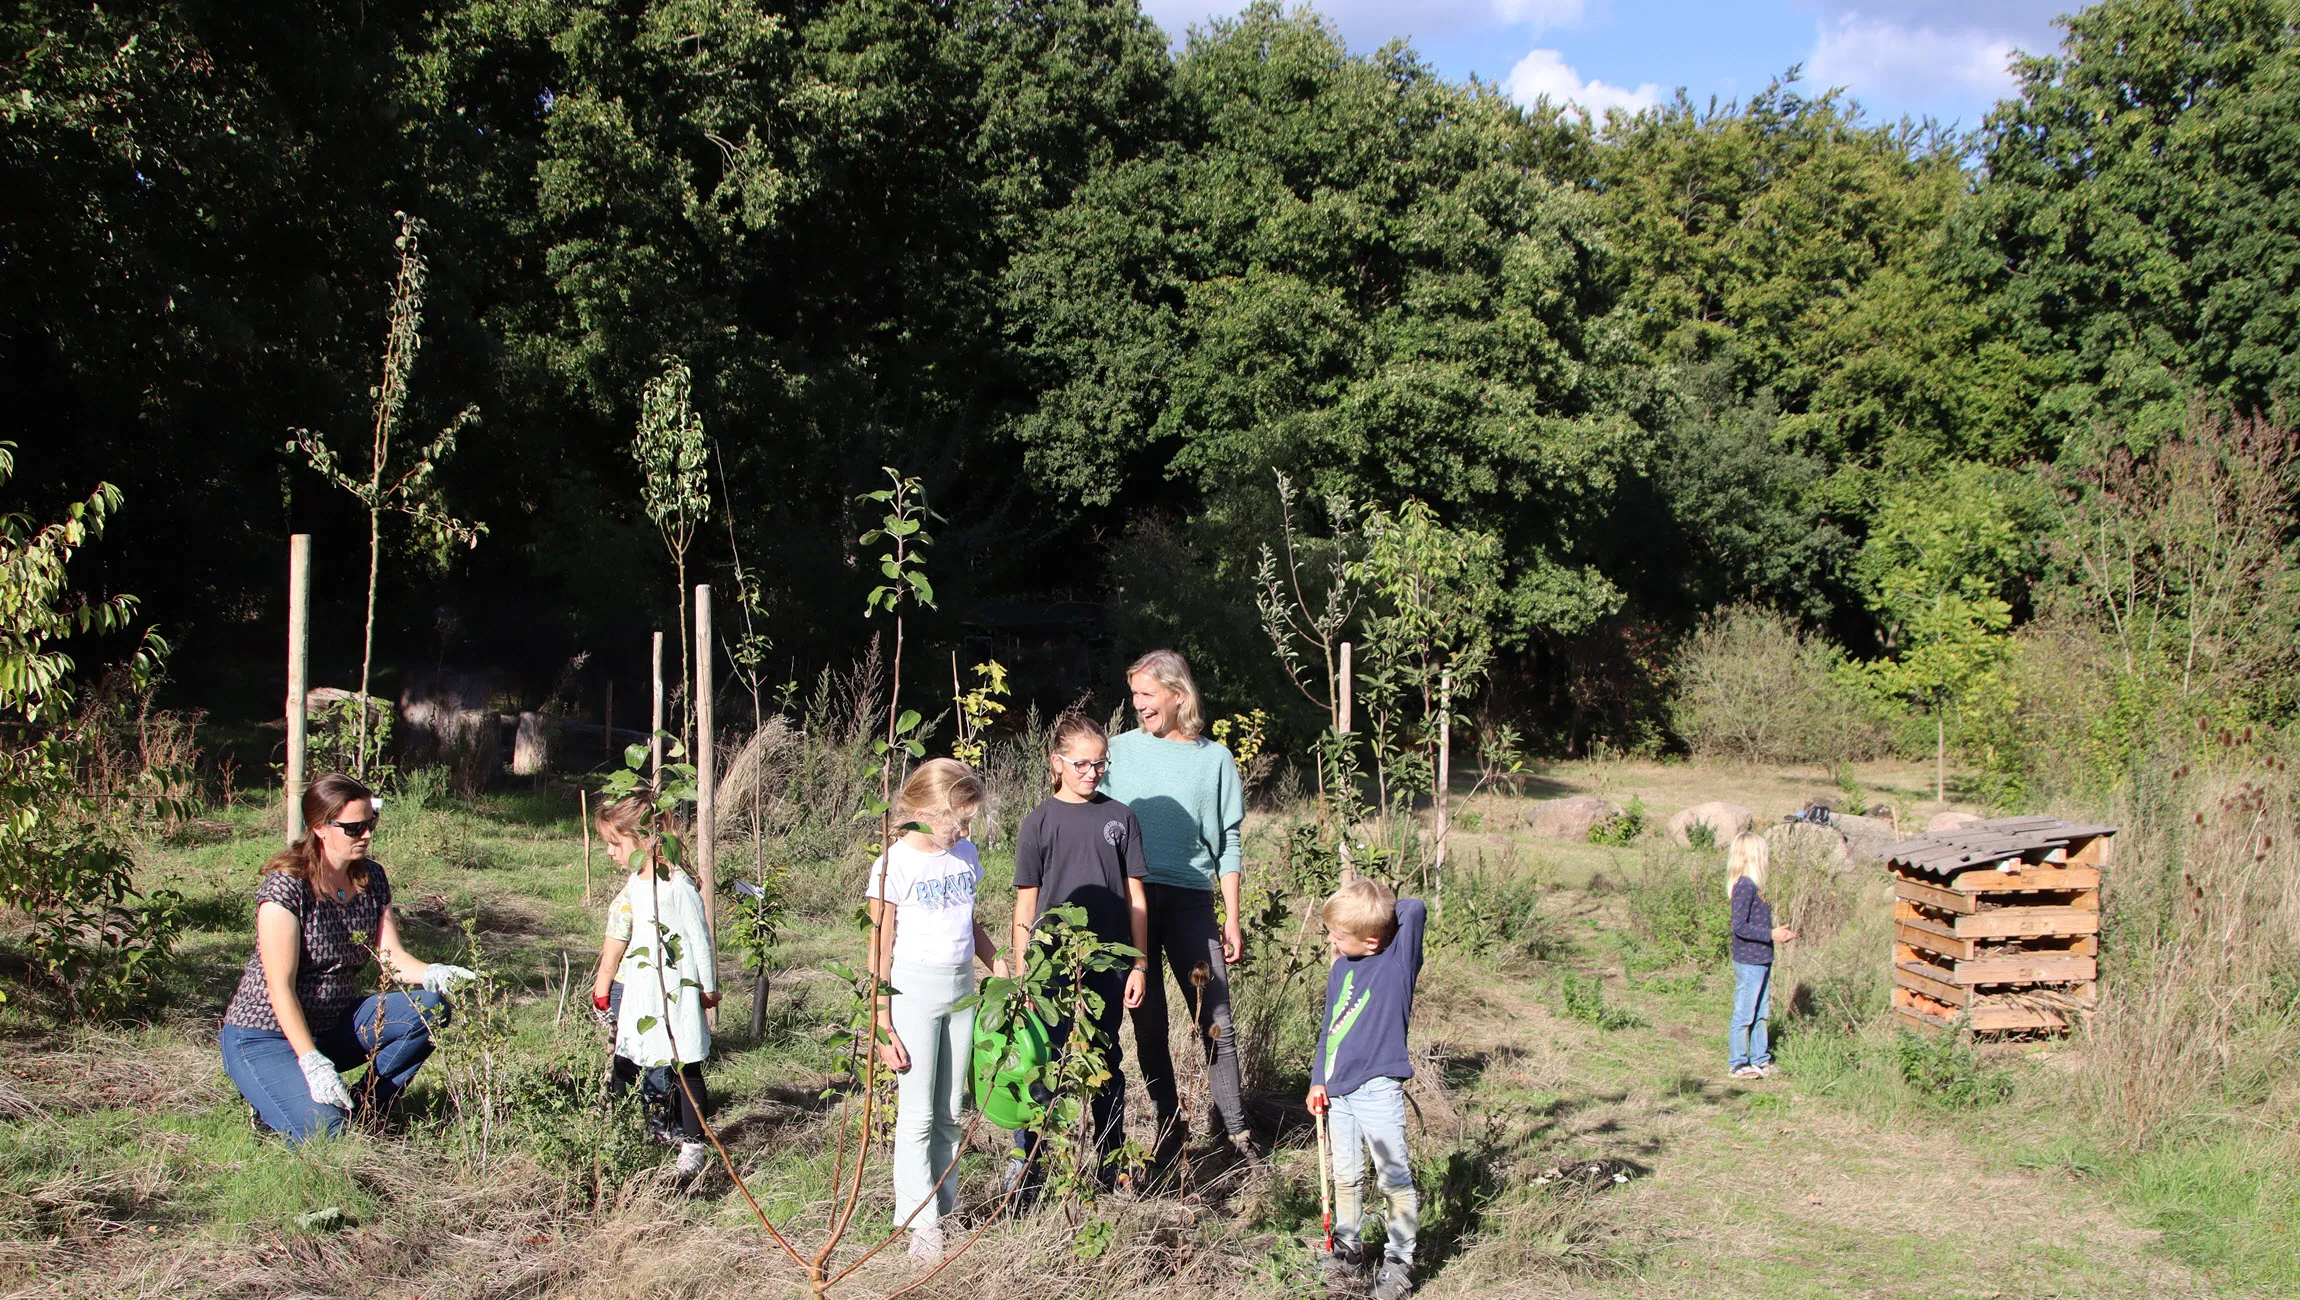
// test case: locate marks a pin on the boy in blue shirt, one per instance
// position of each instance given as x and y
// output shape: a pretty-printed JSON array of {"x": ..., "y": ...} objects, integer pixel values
[{"x": 1357, "y": 1076}]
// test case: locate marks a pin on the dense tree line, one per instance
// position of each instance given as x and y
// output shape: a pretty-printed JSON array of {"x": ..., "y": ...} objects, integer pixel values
[{"x": 1095, "y": 293}]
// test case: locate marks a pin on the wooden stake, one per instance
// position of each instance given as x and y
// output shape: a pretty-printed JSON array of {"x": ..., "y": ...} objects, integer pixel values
[
  {"x": 655, "y": 732},
  {"x": 1342, "y": 727},
  {"x": 706, "y": 770},
  {"x": 1444, "y": 779},
  {"x": 585, "y": 797},
  {"x": 299, "y": 676}
]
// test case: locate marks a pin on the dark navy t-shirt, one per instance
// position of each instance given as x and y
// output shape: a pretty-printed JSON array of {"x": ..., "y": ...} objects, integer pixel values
[
  {"x": 1369, "y": 1004},
  {"x": 1082, "y": 853}
]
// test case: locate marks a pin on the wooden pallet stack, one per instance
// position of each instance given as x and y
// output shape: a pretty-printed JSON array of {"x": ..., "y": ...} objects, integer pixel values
[{"x": 1998, "y": 923}]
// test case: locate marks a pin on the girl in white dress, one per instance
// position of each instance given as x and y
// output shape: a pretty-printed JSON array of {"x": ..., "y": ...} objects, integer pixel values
[{"x": 657, "y": 975}]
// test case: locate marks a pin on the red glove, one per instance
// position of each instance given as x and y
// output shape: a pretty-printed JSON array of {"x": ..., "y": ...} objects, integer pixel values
[
  {"x": 599, "y": 1000},
  {"x": 1318, "y": 1102}
]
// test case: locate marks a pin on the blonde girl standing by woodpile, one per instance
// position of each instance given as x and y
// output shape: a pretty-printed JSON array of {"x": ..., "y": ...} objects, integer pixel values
[
  {"x": 658, "y": 974},
  {"x": 1749, "y": 1054},
  {"x": 921, "y": 894}
]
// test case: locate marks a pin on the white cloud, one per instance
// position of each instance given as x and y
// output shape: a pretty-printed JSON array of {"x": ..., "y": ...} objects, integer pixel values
[
  {"x": 1917, "y": 50},
  {"x": 1544, "y": 74},
  {"x": 1883, "y": 57}
]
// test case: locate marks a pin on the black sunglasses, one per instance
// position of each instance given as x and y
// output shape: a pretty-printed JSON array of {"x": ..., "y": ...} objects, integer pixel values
[{"x": 357, "y": 829}]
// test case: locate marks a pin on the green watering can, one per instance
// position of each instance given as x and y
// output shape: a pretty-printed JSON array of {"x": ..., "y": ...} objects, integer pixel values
[{"x": 1006, "y": 1058}]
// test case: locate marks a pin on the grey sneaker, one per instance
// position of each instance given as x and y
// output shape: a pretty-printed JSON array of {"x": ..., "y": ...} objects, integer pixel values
[
  {"x": 694, "y": 1158},
  {"x": 1342, "y": 1268},
  {"x": 1393, "y": 1283}
]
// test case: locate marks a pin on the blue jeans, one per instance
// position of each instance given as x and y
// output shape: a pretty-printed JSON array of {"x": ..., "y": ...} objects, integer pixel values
[
  {"x": 1745, "y": 1042},
  {"x": 1371, "y": 1120},
  {"x": 263, "y": 1066}
]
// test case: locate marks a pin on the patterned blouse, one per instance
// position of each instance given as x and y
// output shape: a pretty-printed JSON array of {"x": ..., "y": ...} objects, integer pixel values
[{"x": 337, "y": 942}]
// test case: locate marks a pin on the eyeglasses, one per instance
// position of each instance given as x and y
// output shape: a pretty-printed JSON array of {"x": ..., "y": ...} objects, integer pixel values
[
  {"x": 1084, "y": 765},
  {"x": 357, "y": 830}
]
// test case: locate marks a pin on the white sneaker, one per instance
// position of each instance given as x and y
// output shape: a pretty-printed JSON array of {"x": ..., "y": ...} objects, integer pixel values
[
  {"x": 926, "y": 1243},
  {"x": 694, "y": 1157}
]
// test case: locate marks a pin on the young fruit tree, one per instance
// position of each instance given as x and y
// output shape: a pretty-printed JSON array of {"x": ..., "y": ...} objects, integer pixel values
[
  {"x": 677, "y": 493},
  {"x": 384, "y": 487}
]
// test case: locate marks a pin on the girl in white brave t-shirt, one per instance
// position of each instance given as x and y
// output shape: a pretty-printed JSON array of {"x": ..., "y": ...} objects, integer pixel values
[{"x": 927, "y": 942}]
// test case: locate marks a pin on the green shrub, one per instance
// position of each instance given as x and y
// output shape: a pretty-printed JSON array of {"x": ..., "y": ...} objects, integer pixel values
[
  {"x": 1622, "y": 828},
  {"x": 1678, "y": 912},
  {"x": 1488, "y": 913},
  {"x": 1753, "y": 686}
]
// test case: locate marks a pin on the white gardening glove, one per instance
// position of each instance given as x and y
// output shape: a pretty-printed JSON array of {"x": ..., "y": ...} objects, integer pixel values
[
  {"x": 439, "y": 977},
  {"x": 326, "y": 1085}
]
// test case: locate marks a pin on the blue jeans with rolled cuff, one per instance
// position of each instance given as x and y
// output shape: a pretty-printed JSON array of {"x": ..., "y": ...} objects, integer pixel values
[
  {"x": 395, "y": 1028},
  {"x": 1746, "y": 1042},
  {"x": 1370, "y": 1120}
]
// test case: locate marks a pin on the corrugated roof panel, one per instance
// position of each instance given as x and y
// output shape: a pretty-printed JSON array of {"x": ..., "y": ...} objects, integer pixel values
[{"x": 1943, "y": 853}]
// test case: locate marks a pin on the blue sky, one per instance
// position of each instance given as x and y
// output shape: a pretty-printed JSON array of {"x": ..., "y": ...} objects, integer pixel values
[{"x": 1938, "y": 58}]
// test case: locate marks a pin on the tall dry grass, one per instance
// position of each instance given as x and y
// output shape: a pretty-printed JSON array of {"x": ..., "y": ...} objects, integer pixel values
[{"x": 2200, "y": 995}]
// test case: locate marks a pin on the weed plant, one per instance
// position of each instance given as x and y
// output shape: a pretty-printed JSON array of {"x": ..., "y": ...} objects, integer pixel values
[
  {"x": 1940, "y": 1068},
  {"x": 1583, "y": 999},
  {"x": 1622, "y": 829},
  {"x": 1490, "y": 914}
]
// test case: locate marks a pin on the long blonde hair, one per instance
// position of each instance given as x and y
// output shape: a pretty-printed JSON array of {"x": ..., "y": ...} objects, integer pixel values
[
  {"x": 937, "y": 786},
  {"x": 1747, "y": 857},
  {"x": 1172, "y": 671}
]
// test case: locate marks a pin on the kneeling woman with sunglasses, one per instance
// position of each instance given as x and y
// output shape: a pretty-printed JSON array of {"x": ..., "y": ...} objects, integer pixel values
[{"x": 304, "y": 1012}]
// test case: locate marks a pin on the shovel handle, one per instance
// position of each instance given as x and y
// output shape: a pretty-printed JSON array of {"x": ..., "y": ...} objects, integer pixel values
[{"x": 1325, "y": 1189}]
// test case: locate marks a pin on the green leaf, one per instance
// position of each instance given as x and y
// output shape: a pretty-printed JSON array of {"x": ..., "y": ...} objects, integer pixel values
[
  {"x": 920, "y": 585},
  {"x": 646, "y": 1024},
  {"x": 636, "y": 756}
]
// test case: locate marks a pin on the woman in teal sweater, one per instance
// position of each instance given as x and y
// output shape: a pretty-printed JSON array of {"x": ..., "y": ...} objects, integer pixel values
[{"x": 1187, "y": 798}]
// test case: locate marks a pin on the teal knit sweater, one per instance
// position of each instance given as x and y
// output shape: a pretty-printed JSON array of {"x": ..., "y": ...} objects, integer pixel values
[{"x": 1188, "y": 799}]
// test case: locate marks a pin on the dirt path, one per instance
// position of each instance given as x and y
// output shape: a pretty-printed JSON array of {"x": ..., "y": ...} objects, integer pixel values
[{"x": 1768, "y": 1191}]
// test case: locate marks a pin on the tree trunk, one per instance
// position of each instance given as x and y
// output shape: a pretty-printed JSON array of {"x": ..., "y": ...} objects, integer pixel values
[
  {"x": 686, "y": 681},
  {"x": 367, "y": 641},
  {"x": 1940, "y": 761}
]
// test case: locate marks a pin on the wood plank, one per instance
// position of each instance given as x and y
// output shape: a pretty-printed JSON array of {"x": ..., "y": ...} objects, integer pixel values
[
  {"x": 2025, "y": 922},
  {"x": 1924, "y": 1019},
  {"x": 2026, "y": 968},
  {"x": 2094, "y": 852},
  {"x": 1921, "y": 979},
  {"x": 1933, "y": 896},
  {"x": 1992, "y": 881},
  {"x": 1934, "y": 937},
  {"x": 1991, "y": 1019},
  {"x": 1985, "y": 1018}
]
